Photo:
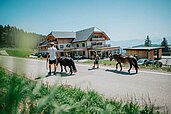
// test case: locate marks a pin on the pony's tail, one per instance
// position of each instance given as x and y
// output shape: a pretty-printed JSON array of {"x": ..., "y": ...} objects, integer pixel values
[
  {"x": 73, "y": 66},
  {"x": 135, "y": 64}
]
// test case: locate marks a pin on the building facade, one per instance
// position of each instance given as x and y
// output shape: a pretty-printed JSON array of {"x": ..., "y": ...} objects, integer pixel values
[
  {"x": 82, "y": 43},
  {"x": 145, "y": 52}
]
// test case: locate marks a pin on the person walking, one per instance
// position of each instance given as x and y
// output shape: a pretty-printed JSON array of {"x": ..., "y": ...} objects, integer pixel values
[
  {"x": 52, "y": 57},
  {"x": 96, "y": 61}
]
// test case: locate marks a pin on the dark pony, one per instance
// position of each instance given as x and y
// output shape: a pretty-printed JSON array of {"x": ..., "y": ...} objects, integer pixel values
[
  {"x": 126, "y": 60},
  {"x": 67, "y": 61}
]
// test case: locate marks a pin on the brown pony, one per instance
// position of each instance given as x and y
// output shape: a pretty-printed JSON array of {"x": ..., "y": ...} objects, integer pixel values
[{"x": 124, "y": 59}]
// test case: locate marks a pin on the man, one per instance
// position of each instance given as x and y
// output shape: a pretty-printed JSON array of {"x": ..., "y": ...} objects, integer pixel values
[{"x": 52, "y": 57}]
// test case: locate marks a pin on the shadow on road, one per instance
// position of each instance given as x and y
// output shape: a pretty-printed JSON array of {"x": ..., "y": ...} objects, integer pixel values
[
  {"x": 120, "y": 72},
  {"x": 61, "y": 74},
  {"x": 92, "y": 68}
]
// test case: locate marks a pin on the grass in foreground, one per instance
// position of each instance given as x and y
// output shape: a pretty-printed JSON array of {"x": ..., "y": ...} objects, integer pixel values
[{"x": 19, "y": 95}]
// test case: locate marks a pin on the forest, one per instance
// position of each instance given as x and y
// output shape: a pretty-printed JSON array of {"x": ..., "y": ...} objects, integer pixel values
[{"x": 13, "y": 37}]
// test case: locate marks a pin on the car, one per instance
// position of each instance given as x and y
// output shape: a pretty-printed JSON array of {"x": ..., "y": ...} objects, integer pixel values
[
  {"x": 143, "y": 62},
  {"x": 35, "y": 55},
  {"x": 155, "y": 63},
  {"x": 42, "y": 53},
  {"x": 78, "y": 57}
]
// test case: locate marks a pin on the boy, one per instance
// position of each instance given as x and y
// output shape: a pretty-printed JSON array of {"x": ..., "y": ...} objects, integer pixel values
[{"x": 96, "y": 61}]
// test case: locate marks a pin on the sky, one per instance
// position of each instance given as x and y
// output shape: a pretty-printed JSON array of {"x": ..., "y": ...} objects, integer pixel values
[{"x": 119, "y": 19}]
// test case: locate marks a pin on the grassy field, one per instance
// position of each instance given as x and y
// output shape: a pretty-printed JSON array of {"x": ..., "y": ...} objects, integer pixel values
[
  {"x": 19, "y": 95},
  {"x": 113, "y": 63},
  {"x": 19, "y": 52}
]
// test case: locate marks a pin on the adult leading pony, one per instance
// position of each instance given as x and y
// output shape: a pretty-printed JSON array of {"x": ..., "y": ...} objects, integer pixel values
[
  {"x": 67, "y": 61},
  {"x": 124, "y": 59}
]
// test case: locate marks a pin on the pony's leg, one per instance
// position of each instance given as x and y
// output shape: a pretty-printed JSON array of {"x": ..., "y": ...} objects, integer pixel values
[
  {"x": 117, "y": 66},
  {"x": 65, "y": 68},
  {"x": 135, "y": 68},
  {"x": 130, "y": 67},
  {"x": 120, "y": 66},
  {"x": 70, "y": 69},
  {"x": 61, "y": 68}
]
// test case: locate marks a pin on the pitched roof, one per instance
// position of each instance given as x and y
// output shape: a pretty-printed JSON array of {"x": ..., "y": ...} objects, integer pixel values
[
  {"x": 83, "y": 35},
  {"x": 143, "y": 48},
  {"x": 59, "y": 34}
]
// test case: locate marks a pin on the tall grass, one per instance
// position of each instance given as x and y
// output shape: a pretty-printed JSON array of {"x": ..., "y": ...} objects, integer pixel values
[{"x": 19, "y": 95}]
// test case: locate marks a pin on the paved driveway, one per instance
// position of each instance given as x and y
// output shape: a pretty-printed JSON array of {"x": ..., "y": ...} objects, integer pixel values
[{"x": 105, "y": 80}]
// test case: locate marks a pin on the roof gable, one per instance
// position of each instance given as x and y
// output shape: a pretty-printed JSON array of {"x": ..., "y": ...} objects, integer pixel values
[
  {"x": 83, "y": 35},
  {"x": 59, "y": 34}
]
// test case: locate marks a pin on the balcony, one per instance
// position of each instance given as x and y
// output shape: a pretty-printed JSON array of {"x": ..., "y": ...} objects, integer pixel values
[{"x": 99, "y": 46}]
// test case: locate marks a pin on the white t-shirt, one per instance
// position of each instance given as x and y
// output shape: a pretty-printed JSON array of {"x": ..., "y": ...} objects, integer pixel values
[{"x": 52, "y": 52}]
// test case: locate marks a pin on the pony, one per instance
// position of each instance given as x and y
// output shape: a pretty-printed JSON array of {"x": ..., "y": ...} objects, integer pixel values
[
  {"x": 124, "y": 59},
  {"x": 67, "y": 61}
]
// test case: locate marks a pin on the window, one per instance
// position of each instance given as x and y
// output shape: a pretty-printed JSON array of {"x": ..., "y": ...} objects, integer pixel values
[
  {"x": 93, "y": 43},
  {"x": 68, "y": 45},
  {"x": 83, "y": 44},
  {"x": 83, "y": 52},
  {"x": 61, "y": 46},
  {"x": 99, "y": 43},
  {"x": 77, "y": 45}
]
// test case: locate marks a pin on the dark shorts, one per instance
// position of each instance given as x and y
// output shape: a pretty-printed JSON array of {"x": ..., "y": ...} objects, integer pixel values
[
  {"x": 96, "y": 62},
  {"x": 52, "y": 61}
]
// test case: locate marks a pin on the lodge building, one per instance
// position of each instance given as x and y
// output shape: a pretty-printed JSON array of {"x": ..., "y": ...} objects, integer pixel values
[{"x": 81, "y": 43}]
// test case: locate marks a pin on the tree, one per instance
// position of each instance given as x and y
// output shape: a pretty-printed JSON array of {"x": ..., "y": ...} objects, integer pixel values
[
  {"x": 147, "y": 42},
  {"x": 165, "y": 50}
]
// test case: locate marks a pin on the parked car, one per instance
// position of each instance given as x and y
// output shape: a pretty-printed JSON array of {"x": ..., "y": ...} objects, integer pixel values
[
  {"x": 43, "y": 54},
  {"x": 78, "y": 57},
  {"x": 33, "y": 56},
  {"x": 155, "y": 63},
  {"x": 143, "y": 62}
]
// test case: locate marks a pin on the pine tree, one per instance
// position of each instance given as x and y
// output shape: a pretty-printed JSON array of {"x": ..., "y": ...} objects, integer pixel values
[
  {"x": 165, "y": 50},
  {"x": 147, "y": 42}
]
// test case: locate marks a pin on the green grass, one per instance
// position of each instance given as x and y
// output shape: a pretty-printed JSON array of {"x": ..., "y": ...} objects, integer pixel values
[
  {"x": 166, "y": 68},
  {"x": 19, "y": 52},
  {"x": 113, "y": 63},
  {"x": 19, "y": 95}
]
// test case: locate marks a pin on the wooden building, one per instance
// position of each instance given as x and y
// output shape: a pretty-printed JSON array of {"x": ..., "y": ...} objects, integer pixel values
[
  {"x": 145, "y": 52},
  {"x": 83, "y": 43}
]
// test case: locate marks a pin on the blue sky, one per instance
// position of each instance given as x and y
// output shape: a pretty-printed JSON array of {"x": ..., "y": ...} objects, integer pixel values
[{"x": 120, "y": 19}]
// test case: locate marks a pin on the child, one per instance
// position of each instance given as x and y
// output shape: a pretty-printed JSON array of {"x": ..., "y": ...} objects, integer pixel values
[{"x": 96, "y": 61}]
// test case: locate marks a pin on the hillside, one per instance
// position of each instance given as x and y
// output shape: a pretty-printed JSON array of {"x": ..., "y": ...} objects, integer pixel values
[
  {"x": 12, "y": 37},
  {"x": 136, "y": 42}
]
